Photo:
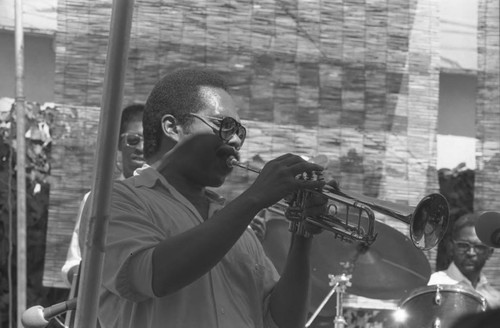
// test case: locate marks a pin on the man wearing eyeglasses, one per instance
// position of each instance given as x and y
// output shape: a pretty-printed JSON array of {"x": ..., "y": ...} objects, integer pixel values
[
  {"x": 176, "y": 254},
  {"x": 130, "y": 149},
  {"x": 469, "y": 255}
]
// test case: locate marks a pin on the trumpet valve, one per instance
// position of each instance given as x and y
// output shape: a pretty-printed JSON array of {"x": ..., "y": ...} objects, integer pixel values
[
  {"x": 293, "y": 213},
  {"x": 298, "y": 228},
  {"x": 311, "y": 175},
  {"x": 319, "y": 175}
]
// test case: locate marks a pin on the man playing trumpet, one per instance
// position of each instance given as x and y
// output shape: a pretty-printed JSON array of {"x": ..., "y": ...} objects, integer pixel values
[{"x": 176, "y": 256}]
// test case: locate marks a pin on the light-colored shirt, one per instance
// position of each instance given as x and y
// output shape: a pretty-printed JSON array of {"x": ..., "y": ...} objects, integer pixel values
[
  {"x": 145, "y": 210},
  {"x": 74, "y": 254},
  {"x": 452, "y": 276}
]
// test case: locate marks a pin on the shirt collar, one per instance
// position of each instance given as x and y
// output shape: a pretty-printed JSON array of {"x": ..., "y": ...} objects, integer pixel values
[
  {"x": 148, "y": 177},
  {"x": 454, "y": 272}
]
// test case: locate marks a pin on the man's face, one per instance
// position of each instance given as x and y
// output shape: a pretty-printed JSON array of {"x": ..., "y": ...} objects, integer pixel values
[
  {"x": 469, "y": 259},
  {"x": 208, "y": 163},
  {"x": 132, "y": 146}
]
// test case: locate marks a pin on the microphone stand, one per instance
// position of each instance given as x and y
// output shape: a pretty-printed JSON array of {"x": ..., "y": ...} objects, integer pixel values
[
  {"x": 339, "y": 283},
  {"x": 39, "y": 317}
]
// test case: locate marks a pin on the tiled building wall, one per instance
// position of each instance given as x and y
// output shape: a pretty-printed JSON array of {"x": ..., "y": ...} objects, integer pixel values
[
  {"x": 487, "y": 179},
  {"x": 354, "y": 80}
]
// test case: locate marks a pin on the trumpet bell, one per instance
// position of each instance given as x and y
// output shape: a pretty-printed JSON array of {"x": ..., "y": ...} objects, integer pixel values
[{"x": 429, "y": 221}]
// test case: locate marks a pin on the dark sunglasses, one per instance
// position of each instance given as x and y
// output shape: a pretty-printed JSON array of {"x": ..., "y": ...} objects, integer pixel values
[
  {"x": 465, "y": 246},
  {"x": 227, "y": 127},
  {"x": 132, "y": 139}
]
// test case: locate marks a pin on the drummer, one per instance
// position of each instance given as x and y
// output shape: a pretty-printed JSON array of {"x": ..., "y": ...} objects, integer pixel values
[{"x": 469, "y": 255}]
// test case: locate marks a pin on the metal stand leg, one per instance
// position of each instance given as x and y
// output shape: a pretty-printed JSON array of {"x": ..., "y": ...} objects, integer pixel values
[
  {"x": 342, "y": 282},
  {"x": 339, "y": 283},
  {"x": 321, "y": 306}
]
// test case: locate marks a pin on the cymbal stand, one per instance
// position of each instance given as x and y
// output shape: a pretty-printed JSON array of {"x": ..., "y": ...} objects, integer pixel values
[{"x": 339, "y": 283}]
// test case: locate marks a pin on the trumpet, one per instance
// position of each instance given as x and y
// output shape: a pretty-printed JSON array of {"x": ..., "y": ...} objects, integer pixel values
[{"x": 428, "y": 220}]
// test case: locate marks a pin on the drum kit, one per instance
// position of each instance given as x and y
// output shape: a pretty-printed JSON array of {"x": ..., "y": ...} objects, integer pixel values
[{"x": 390, "y": 269}]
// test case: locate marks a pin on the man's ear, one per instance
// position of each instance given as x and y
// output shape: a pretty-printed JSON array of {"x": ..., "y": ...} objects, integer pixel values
[
  {"x": 120, "y": 145},
  {"x": 490, "y": 252},
  {"x": 169, "y": 127},
  {"x": 450, "y": 247}
]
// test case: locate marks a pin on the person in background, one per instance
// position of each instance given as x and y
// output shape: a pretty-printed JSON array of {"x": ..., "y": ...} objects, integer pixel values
[
  {"x": 4, "y": 273},
  {"x": 176, "y": 254},
  {"x": 131, "y": 148},
  {"x": 469, "y": 255}
]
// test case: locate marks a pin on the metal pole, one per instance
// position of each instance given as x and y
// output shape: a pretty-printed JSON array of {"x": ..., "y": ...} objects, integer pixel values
[
  {"x": 20, "y": 163},
  {"x": 93, "y": 253}
]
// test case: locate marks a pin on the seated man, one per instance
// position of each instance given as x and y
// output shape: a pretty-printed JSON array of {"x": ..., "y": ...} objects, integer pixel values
[{"x": 469, "y": 255}]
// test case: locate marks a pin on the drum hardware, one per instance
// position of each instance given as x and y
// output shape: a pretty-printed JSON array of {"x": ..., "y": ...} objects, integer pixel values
[
  {"x": 339, "y": 283},
  {"x": 437, "y": 301},
  {"x": 428, "y": 221},
  {"x": 437, "y": 297}
]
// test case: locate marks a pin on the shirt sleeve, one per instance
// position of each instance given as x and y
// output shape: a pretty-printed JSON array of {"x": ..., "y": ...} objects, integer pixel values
[
  {"x": 130, "y": 242},
  {"x": 74, "y": 256},
  {"x": 270, "y": 280}
]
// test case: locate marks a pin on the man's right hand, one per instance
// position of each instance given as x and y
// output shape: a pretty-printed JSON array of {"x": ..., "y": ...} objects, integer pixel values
[{"x": 279, "y": 178}]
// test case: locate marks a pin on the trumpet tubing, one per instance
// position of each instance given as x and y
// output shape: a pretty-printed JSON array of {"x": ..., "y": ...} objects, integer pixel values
[{"x": 428, "y": 220}]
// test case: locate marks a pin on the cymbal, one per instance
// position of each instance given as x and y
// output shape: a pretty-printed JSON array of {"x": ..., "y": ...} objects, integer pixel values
[{"x": 388, "y": 269}]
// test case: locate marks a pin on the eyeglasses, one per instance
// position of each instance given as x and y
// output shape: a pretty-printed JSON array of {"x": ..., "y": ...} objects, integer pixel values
[
  {"x": 132, "y": 139},
  {"x": 227, "y": 127},
  {"x": 465, "y": 246}
]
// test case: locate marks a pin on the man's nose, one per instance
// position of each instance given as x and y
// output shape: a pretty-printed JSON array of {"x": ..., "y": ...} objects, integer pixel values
[
  {"x": 471, "y": 251},
  {"x": 140, "y": 146},
  {"x": 235, "y": 142}
]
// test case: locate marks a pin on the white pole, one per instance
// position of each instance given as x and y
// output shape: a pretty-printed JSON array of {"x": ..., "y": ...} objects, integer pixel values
[
  {"x": 93, "y": 253},
  {"x": 20, "y": 163}
]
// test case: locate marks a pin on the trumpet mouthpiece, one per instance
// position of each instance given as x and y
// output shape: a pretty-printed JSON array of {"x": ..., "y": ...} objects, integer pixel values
[{"x": 232, "y": 162}]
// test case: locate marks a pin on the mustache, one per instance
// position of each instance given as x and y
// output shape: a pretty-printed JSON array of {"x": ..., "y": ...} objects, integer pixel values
[{"x": 227, "y": 151}]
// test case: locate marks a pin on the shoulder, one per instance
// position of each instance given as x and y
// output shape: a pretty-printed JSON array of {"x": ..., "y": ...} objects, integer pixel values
[{"x": 441, "y": 278}]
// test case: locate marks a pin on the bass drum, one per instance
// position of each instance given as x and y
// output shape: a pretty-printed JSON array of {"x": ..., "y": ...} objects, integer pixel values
[{"x": 440, "y": 306}]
